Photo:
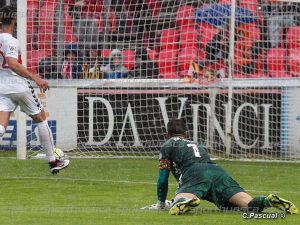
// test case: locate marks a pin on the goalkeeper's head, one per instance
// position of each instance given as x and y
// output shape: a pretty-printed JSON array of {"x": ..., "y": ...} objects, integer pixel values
[
  {"x": 176, "y": 127},
  {"x": 8, "y": 15}
]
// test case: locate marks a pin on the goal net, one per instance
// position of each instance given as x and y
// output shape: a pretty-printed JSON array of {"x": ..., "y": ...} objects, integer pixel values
[{"x": 119, "y": 70}]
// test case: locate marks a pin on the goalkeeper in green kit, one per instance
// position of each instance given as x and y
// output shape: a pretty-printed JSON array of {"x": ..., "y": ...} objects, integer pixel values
[{"x": 200, "y": 178}]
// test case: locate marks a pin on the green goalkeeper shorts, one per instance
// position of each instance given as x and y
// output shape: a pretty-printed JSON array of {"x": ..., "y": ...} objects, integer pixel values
[{"x": 216, "y": 186}]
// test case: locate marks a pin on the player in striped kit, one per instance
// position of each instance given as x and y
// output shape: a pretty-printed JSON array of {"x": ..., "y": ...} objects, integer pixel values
[{"x": 16, "y": 89}]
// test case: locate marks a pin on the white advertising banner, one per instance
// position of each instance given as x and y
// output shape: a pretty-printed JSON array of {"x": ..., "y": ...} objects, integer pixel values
[
  {"x": 290, "y": 122},
  {"x": 61, "y": 110},
  {"x": 61, "y": 106}
]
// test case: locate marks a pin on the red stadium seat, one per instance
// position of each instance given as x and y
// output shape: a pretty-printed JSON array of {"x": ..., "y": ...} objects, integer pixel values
[
  {"x": 257, "y": 75},
  {"x": 46, "y": 15},
  {"x": 207, "y": 32},
  {"x": 154, "y": 7},
  {"x": 276, "y": 61},
  {"x": 169, "y": 76},
  {"x": 249, "y": 4},
  {"x": 105, "y": 53},
  {"x": 129, "y": 59},
  {"x": 34, "y": 57},
  {"x": 167, "y": 61},
  {"x": 294, "y": 62},
  {"x": 185, "y": 57},
  {"x": 112, "y": 18},
  {"x": 255, "y": 32},
  {"x": 68, "y": 21},
  {"x": 189, "y": 38},
  {"x": 46, "y": 24},
  {"x": 225, "y": 1},
  {"x": 239, "y": 76},
  {"x": 70, "y": 2},
  {"x": 50, "y": 2},
  {"x": 185, "y": 16},
  {"x": 32, "y": 10},
  {"x": 33, "y": 4},
  {"x": 45, "y": 38},
  {"x": 169, "y": 39},
  {"x": 70, "y": 37},
  {"x": 293, "y": 37},
  {"x": 152, "y": 54}
]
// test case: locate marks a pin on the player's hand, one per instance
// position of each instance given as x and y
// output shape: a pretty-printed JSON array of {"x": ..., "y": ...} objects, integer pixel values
[
  {"x": 42, "y": 84},
  {"x": 159, "y": 205}
]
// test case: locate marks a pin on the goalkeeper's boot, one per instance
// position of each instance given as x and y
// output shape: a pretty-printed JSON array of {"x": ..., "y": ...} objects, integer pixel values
[
  {"x": 57, "y": 165},
  {"x": 282, "y": 204},
  {"x": 183, "y": 205}
]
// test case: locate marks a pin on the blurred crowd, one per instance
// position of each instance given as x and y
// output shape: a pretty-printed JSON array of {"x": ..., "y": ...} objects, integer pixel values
[{"x": 163, "y": 39}]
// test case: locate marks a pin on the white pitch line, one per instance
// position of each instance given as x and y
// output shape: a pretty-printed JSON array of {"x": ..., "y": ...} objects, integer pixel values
[{"x": 122, "y": 181}]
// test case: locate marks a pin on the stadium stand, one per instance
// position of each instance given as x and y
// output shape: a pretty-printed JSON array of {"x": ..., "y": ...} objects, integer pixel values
[
  {"x": 293, "y": 37},
  {"x": 185, "y": 57},
  {"x": 168, "y": 30},
  {"x": 276, "y": 62},
  {"x": 294, "y": 62},
  {"x": 167, "y": 63}
]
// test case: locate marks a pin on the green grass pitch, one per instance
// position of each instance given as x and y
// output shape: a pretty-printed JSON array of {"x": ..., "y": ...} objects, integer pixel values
[{"x": 112, "y": 191}]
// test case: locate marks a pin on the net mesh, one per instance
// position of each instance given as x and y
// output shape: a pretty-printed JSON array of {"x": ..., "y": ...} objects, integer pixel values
[{"x": 174, "y": 58}]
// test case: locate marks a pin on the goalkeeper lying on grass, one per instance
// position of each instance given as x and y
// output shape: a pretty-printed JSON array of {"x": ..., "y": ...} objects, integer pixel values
[{"x": 200, "y": 178}]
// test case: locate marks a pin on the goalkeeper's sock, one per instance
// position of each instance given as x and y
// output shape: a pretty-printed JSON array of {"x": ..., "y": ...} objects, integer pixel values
[
  {"x": 46, "y": 139},
  {"x": 259, "y": 204}
]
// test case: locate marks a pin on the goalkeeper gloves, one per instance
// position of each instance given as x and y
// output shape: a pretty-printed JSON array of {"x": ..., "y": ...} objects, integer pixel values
[{"x": 159, "y": 205}]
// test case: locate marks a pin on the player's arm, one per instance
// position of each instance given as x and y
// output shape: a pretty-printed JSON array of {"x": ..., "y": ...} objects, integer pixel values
[
  {"x": 162, "y": 181},
  {"x": 19, "y": 69}
]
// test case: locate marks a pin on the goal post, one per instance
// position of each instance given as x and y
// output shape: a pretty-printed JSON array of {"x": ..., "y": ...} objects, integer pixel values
[
  {"x": 227, "y": 68},
  {"x": 21, "y": 118}
]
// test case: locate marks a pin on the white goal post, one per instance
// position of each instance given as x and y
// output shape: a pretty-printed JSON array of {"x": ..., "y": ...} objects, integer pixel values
[{"x": 224, "y": 66}]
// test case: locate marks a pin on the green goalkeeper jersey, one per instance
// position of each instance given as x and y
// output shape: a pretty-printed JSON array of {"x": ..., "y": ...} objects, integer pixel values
[
  {"x": 195, "y": 172},
  {"x": 179, "y": 155}
]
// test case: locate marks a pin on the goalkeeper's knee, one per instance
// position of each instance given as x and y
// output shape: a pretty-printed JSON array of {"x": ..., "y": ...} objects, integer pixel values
[{"x": 2, "y": 130}]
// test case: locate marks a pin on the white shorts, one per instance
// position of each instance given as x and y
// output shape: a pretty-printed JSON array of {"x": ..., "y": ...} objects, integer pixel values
[{"x": 28, "y": 102}]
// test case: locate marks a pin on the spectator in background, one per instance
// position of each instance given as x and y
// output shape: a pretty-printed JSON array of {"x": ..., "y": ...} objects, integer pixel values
[
  {"x": 218, "y": 48},
  {"x": 279, "y": 16},
  {"x": 247, "y": 50},
  {"x": 144, "y": 68},
  {"x": 243, "y": 51},
  {"x": 217, "y": 51},
  {"x": 72, "y": 64},
  {"x": 91, "y": 67},
  {"x": 115, "y": 68},
  {"x": 47, "y": 69}
]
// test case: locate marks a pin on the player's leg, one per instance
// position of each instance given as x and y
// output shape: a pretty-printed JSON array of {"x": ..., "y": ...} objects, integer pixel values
[
  {"x": 242, "y": 200},
  {"x": 45, "y": 134},
  {"x": 228, "y": 189},
  {"x": 7, "y": 106},
  {"x": 183, "y": 202},
  {"x": 259, "y": 203},
  {"x": 4, "y": 118},
  {"x": 31, "y": 105},
  {"x": 46, "y": 140}
]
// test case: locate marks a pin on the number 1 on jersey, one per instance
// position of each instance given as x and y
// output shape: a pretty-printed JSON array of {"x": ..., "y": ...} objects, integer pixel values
[{"x": 196, "y": 149}]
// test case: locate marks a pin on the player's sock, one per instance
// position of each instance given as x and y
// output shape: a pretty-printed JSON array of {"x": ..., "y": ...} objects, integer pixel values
[
  {"x": 46, "y": 139},
  {"x": 258, "y": 204},
  {"x": 2, "y": 130}
]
